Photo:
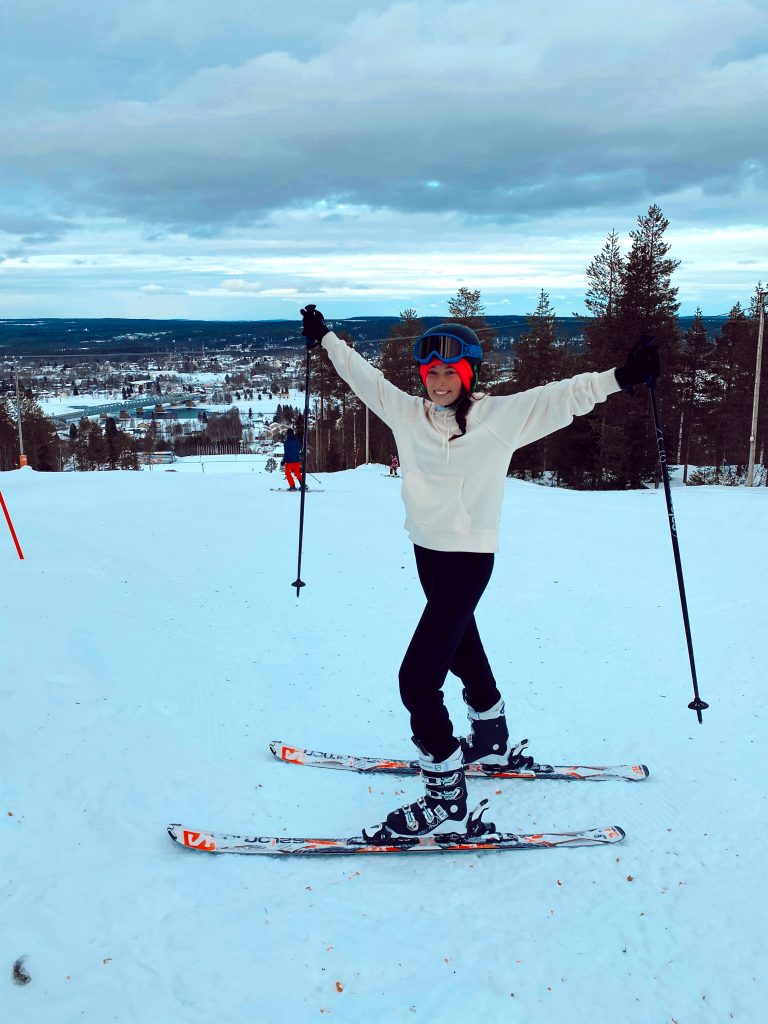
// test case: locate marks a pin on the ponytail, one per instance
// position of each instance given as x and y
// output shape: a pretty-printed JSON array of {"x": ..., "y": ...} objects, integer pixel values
[{"x": 460, "y": 409}]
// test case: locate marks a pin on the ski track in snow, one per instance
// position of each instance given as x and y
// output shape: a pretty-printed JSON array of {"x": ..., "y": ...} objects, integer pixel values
[{"x": 152, "y": 645}]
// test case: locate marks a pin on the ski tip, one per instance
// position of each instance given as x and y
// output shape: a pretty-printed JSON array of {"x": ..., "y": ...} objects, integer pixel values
[
  {"x": 277, "y": 748},
  {"x": 611, "y": 833},
  {"x": 192, "y": 839},
  {"x": 281, "y": 750}
]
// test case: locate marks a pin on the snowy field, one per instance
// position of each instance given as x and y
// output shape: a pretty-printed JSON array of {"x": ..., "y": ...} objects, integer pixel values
[
  {"x": 262, "y": 409},
  {"x": 151, "y": 645}
]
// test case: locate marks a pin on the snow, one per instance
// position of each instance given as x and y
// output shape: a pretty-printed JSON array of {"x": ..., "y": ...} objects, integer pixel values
[
  {"x": 152, "y": 645},
  {"x": 63, "y": 405}
]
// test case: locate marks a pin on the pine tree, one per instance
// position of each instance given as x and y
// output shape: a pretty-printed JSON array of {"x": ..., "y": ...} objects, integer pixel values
[
  {"x": 695, "y": 354},
  {"x": 330, "y": 437},
  {"x": 648, "y": 302},
  {"x": 9, "y": 440},
  {"x": 605, "y": 341},
  {"x": 605, "y": 346},
  {"x": 647, "y": 305},
  {"x": 397, "y": 362},
  {"x": 535, "y": 351},
  {"x": 41, "y": 442},
  {"x": 605, "y": 274},
  {"x": 540, "y": 357},
  {"x": 84, "y": 448},
  {"x": 758, "y": 298},
  {"x": 97, "y": 448},
  {"x": 401, "y": 369},
  {"x": 466, "y": 308},
  {"x": 730, "y": 392},
  {"x": 112, "y": 442}
]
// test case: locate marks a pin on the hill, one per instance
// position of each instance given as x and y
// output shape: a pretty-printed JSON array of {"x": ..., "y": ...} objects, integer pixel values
[
  {"x": 153, "y": 645},
  {"x": 124, "y": 337}
]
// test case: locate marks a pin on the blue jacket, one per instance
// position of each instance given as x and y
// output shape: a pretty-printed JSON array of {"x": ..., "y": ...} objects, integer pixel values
[{"x": 292, "y": 449}]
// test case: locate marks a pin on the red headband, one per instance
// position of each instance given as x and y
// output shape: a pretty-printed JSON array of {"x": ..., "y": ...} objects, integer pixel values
[{"x": 462, "y": 367}]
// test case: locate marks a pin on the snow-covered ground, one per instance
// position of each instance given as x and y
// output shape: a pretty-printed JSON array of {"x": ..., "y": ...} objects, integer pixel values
[
  {"x": 64, "y": 405},
  {"x": 151, "y": 645}
]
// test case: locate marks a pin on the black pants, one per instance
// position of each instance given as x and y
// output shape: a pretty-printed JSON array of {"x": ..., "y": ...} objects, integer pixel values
[{"x": 446, "y": 639}]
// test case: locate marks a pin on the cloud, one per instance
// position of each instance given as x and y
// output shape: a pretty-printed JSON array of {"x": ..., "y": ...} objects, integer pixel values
[
  {"x": 516, "y": 112},
  {"x": 192, "y": 159},
  {"x": 32, "y": 228}
]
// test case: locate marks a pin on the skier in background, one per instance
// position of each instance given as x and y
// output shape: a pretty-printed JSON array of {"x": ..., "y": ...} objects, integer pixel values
[
  {"x": 292, "y": 459},
  {"x": 456, "y": 445},
  {"x": 393, "y": 466}
]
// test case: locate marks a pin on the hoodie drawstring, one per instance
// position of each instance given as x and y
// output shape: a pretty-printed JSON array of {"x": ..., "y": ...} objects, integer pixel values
[{"x": 440, "y": 417}]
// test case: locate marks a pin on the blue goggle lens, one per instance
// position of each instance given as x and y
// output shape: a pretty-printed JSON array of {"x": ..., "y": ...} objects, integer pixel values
[{"x": 444, "y": 347}]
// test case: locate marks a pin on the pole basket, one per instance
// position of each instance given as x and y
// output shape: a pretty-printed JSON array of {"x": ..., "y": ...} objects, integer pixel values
[{"x": 698, "y": 705}]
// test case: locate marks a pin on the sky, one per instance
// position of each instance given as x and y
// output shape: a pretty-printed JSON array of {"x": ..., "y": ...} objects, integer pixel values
[{"x": 180, "y": 158}]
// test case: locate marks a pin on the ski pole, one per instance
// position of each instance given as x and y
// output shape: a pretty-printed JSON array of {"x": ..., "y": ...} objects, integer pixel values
[
  {"x": 697, "y": 704},
  {"x": 298, "y": 582}
]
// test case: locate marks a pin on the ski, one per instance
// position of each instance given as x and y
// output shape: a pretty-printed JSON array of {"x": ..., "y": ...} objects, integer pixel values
[
  {"x": 297, "y": 490},
  {"x": 227, "y": 842},
  {"x": 389, "y": 766}
]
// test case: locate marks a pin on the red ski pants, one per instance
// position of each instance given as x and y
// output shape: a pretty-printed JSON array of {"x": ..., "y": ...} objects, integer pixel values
[{"x": 292, "y": 468}]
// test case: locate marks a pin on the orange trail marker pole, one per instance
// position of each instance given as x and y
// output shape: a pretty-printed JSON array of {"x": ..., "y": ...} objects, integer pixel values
[{"x": 10, "y": 526}]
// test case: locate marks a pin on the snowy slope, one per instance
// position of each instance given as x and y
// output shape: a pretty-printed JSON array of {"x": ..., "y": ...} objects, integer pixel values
[{"x": 151, "y": 646}]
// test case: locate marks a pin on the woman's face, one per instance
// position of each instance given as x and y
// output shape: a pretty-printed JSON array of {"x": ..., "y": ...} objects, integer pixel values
[{"x": 443, "y": 384}]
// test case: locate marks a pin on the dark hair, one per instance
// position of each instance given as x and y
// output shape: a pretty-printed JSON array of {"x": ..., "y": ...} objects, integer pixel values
[{"x": 461, "y": 407}]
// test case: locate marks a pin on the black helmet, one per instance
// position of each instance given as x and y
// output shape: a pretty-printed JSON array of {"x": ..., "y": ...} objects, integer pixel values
[{"x": 450, "y": 343}]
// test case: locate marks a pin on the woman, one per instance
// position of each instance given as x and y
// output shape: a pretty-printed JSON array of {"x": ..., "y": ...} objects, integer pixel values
[{"x": 454, "y": 451}]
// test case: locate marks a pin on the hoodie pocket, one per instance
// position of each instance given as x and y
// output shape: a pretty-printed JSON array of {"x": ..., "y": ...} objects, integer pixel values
[{"x": 435, "y": 503}]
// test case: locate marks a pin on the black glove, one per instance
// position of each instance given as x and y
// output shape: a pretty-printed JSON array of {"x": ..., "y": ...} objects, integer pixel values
[
  {"x": 314, "y": 328},
  {"x": 641, "y": 366}
]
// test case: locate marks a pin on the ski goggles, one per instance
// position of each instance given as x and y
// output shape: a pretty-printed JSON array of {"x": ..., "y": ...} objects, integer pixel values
[{"x": 448, "y": 348}]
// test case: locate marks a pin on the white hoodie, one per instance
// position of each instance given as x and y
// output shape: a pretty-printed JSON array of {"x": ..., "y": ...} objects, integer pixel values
[{"x": 453, "y": 490}]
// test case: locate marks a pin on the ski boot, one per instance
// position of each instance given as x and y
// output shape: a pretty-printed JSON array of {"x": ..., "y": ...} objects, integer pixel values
[
  {"x": 441, "y": 811},
  {"x": 488, "y": 741}
]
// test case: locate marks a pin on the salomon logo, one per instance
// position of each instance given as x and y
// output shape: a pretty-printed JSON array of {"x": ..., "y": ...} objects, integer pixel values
[{"x": 199, "y": 840}]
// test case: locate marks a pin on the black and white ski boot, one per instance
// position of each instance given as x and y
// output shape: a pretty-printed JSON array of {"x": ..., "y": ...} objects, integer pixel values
[
  {"x": 488, "y": 741},
  {"x": 441, "y": 811}
]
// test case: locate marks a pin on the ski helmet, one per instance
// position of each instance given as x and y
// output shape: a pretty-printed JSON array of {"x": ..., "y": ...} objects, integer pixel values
[{"x": 451, "y": 344}]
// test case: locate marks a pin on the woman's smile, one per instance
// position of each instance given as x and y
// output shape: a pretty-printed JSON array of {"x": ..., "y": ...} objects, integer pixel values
[{"x": 443, "y": 384}]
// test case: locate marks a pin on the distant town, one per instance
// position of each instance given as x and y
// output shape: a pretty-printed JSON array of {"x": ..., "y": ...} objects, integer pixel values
[
  {"x": 220, "y": 402},
  {"x": 122, "y": 394}
]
